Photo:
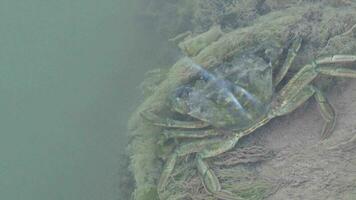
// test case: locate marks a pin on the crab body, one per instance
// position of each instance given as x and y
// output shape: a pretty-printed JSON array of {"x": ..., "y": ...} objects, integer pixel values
[
  {"x": 238, "y": 97},
  {"x": 229, "y": 97}
]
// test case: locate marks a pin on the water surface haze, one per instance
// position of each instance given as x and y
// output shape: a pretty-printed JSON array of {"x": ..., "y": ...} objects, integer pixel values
[{"x": 69, "y": 72}]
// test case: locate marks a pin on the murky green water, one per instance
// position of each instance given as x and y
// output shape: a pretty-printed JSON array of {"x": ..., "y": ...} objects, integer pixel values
[{"x": 69, "y": 72}]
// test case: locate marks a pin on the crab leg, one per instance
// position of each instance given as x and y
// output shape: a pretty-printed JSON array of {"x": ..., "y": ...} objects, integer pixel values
[
  {"x": 211, "y": 182},
  {"x": 190, "y": 133},
  {"x": 206, "y": 149},
  {"x": 309, "y": 72},
  {"x": 209, "y": 179},
  {"x": 326, "y": 109},
  {"x": 171, "y": 123},
  {"x": 182, "y": 150},
  {"x": 336, "y": 71},
  {"x": 291, "y": 103},
  {"x": 167, "y": 171},
  {"x": 327, "y": 112},
  {"x": 292, "y": 53},
  {"x": 335, "y": 59}
]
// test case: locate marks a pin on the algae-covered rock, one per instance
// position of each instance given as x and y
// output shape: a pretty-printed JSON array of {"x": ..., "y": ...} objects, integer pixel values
[
  {"x": 147, "y": 193},
  {"x": 192, "y": 45}
]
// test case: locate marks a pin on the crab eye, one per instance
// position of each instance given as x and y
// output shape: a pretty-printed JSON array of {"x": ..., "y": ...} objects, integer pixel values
[
  {"x": 205, "y": 76},
  {"x": 183, "y": 92}
]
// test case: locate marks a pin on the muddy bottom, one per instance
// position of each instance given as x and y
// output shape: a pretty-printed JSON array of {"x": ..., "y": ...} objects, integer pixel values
[{"x": 304, "y": 166}]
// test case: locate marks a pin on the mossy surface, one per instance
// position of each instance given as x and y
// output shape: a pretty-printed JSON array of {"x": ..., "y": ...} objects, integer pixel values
[{"x": 149, "y": 193}]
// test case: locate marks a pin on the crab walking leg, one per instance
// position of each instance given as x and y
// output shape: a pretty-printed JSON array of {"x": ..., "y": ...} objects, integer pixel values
[
  {"x": 327, "y": 112},
  {"x": 167, "y": 171},
  {"x": 291, "y": 102},
  {"x": 211, "y": 182},
  {"x": 309, "y": 72},
  {"x": 190, "y": 133},
  {"x": 326, "y": 109},
  {"x": 182, "y": 150},
  {"x": 336, "y": 71},
  {"x": 205, "y": 149},
  {"x": 171, "y": 123},
  {"x": 335, "y": 59},
  {"x": 292, "y": 53}
]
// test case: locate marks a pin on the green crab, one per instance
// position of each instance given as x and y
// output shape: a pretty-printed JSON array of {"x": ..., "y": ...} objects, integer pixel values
[{"x": 226, "y": 105}]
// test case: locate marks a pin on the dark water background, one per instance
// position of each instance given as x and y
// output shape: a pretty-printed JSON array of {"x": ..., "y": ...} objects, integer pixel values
[{"x": 69, "y": 72}]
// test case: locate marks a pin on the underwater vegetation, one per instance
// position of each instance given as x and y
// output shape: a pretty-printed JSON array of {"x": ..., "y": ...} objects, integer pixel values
[{"x": 242, "y": 64}]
